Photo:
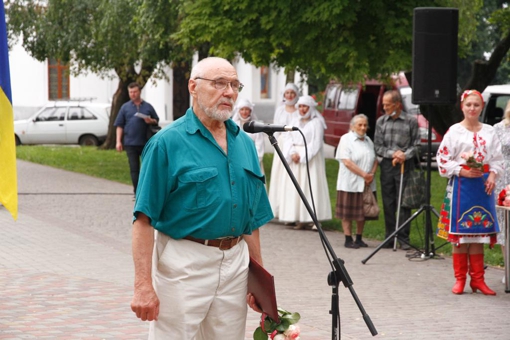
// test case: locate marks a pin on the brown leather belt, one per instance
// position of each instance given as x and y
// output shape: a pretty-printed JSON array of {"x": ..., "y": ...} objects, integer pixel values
[{"x": 221, "y": 243}]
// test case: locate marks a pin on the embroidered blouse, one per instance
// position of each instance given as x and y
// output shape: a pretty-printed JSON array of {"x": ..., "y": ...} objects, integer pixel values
[{"x": 484, "y": 144}]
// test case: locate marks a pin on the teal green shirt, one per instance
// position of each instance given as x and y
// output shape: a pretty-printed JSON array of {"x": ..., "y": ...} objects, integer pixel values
[{"x": 188, "y": 186}]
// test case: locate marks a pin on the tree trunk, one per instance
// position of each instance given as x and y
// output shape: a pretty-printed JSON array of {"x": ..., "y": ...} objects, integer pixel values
[
  {"x": 126, "y": 75},
  {"x": 180, "y": 100},
  {"x": 441, "y": 117},
  {"x": 290, "y": 74},
  {"x": 485, "y": 71}
]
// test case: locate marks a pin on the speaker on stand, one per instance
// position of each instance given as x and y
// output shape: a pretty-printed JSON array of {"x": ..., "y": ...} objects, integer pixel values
[{"x": 434, "y": 80}]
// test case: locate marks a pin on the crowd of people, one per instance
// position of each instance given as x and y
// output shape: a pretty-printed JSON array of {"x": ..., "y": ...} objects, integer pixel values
[{"x": 201, "y": 196}]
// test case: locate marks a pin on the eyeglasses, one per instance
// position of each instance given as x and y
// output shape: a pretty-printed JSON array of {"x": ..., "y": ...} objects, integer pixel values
[{"x": 221, "y": 84}]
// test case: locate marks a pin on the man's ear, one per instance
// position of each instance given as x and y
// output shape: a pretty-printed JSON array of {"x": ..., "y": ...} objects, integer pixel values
[{"x": 192, "y": 87}]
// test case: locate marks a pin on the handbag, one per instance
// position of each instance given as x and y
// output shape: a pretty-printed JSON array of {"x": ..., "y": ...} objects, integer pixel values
[
  {"x": 413, "y": 196},
  {"x": 370, "y": 206}
]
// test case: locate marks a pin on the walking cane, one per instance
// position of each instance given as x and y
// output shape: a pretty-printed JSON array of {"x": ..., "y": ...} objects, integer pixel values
[{"x": 401, "y": 188}]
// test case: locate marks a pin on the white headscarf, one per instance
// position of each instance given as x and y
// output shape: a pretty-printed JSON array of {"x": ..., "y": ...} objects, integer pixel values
[
  {"x": 240, "y": 104},
  {"x": 293, "y": 87},
  {"x": 312, "y": 111}
]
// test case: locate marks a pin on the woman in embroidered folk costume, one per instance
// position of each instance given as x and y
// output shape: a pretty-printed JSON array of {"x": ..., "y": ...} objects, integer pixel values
[
  {"x": 470, "y": 156},
  {"x": 503, "y": 132}
]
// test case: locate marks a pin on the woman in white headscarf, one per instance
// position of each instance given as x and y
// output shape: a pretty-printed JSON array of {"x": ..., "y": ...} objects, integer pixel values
[
  {"x": 283, "y": 115},
  {"x": 244, "y": 114},
  {"x": 290, "y": 207}
]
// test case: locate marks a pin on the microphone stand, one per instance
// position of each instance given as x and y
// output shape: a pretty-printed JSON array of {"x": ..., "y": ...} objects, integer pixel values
[{"x": 339, "y": 273}]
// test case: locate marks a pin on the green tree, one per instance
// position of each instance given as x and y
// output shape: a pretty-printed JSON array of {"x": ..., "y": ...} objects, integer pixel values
[
  {"x": 130, "y": 37},
  {"x": 342, "y": 39},
  {"x": 494, "y": 19}
]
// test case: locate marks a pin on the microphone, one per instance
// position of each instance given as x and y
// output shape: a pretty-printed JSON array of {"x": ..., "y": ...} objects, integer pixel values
[{"x": 254, "y": 127}]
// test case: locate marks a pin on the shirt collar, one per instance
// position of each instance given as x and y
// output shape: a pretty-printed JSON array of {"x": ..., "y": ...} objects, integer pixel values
[
  {"x": 402, "y": 116},
  {"x": 356, "y": 138},
  {"x": 193, "y": 124}
]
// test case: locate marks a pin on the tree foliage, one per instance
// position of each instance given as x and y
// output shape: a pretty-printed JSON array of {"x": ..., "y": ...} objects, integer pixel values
[
  {"x": 493, "y": 38},
  {"x": 130, "y": 37},
  {"x": 342, "y": 39}
]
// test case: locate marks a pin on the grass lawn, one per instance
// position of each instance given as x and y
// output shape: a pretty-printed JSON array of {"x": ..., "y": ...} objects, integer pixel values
[{"x": 112, "y": 165}]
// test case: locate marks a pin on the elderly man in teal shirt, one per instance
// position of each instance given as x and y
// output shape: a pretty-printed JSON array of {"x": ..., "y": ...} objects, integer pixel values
[{"x": 201, "y": 188}]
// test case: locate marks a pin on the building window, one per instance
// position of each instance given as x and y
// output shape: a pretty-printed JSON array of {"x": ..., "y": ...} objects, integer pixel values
[
  {"x": 265, "y": 82},
  {"x": 58, "y": 80}
]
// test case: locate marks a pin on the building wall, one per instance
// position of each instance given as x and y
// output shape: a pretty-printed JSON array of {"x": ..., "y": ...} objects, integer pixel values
[{"x": 29, "y": 82}]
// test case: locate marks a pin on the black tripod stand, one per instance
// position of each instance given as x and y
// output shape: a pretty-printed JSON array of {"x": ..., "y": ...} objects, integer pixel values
[
  {"x": 429, "y": 248},
  {"x": 339, "y": 273}
]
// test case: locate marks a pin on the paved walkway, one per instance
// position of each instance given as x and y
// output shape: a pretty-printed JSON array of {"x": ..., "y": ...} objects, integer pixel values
[{"x": 66, "y": 273}]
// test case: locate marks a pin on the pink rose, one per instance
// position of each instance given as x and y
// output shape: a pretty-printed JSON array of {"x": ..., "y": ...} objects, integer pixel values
[
  {"x": 464, "y": 155},
  {"x": 292, "y": 332}
]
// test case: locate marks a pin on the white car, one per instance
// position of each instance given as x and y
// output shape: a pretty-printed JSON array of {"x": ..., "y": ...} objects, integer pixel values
[
  {"x": 65, "y": 122},
  {"x": 496, "y": 98}
]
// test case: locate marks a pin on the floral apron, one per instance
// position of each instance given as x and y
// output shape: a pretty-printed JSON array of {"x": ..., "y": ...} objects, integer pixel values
[{"x": 468, "y": 214}]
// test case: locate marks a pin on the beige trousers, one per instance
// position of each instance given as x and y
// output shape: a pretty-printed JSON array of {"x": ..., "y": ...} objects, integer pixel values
[{"x": 202, "y": 290}]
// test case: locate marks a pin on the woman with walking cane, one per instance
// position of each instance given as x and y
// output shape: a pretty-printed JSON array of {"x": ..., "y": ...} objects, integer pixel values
[{"x": 470, "y": 156}]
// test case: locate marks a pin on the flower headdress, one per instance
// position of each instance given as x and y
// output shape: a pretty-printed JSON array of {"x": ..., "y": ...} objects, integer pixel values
[
  {"x": 286, "y": 329},
  {"x": 467, "y": 93}
]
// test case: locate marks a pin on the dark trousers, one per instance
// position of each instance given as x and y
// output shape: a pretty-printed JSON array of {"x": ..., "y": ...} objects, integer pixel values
[
  {"x": 134, "y": 153},
  {"x": 390, "y": 186}
]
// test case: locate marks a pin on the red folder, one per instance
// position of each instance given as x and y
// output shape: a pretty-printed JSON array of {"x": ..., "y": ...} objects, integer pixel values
[{"x": 261, "y": 285}]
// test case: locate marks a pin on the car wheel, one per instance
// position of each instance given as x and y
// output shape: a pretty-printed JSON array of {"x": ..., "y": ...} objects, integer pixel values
[
  {"x": 17, "y": 141},
  {"x": 89, "y": 140}
]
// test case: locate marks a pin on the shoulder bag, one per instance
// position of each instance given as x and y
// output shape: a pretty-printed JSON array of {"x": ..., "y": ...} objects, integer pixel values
[
  {"x": 414, "y": 191},
  {"x": 370, "y": 206}
]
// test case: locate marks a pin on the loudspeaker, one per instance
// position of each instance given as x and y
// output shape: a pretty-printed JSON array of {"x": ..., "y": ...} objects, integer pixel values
[{"x": 435, "y": 55}]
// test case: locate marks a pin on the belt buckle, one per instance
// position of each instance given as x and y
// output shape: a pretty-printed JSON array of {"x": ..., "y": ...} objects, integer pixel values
[
  {"x": 221, "y": 247},
  {"x": 228, "y": 245}
]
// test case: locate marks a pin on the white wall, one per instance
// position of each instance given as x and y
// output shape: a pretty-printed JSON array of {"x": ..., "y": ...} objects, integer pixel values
[
  {"x": 29, "y": 85},
  {"x": 159, "y": 94},
  {"x": 90, "y": 85}
]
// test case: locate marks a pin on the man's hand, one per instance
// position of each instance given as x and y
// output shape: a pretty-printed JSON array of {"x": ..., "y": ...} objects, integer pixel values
[
  {"x": 398, "y": 157},
  {"x": 119, "y": 147},
  {"x": 150, "y": 120},
  {"x": 250, "y": 300},
  {"x": 145, "y": 303}
]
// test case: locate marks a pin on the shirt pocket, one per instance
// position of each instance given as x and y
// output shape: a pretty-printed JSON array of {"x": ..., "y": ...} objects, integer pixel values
[
  {"x": 199, "y": 188},
  {"x": 254, "y": 190}
]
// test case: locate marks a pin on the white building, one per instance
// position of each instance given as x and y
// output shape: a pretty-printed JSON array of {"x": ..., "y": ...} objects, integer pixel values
[{"x": 33, "y": 83}]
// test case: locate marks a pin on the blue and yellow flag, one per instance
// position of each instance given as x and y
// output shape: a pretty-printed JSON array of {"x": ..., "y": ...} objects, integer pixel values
[{"x": 8, "y": 178}]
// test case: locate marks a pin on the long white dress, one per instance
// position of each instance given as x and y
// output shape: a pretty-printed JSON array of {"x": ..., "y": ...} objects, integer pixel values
[
  {"x": 290, "y": 206},
  {"x": 258, "y": 138},
  {"x": 278, "y": 172},
  {"x": 502, "y": 130}
]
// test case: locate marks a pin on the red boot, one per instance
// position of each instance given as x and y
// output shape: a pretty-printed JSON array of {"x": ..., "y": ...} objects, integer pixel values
[
  {"x": 460, "y": 268},
  {"x": 476, "y": 271}
]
